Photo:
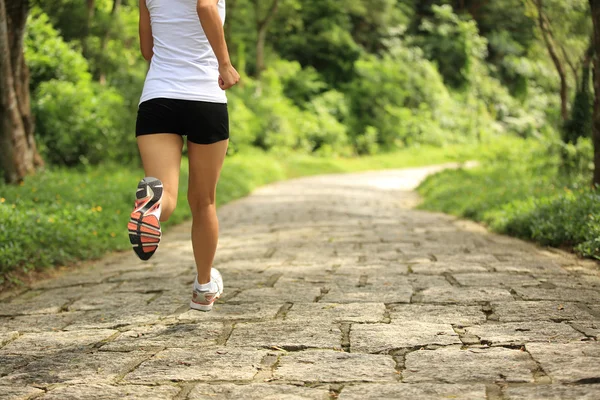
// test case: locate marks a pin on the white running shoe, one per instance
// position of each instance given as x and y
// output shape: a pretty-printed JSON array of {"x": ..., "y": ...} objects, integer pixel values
[{"x": 203, "y": 300}]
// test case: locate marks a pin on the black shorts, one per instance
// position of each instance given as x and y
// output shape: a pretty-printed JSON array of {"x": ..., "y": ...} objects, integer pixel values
[{"x": 201, "y": 121}]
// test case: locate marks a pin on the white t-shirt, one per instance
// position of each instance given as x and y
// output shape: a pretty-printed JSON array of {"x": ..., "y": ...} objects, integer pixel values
[{"x": 184, "y": 65}]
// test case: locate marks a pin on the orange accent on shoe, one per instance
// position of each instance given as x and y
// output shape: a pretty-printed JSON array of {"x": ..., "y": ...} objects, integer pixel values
[{"x": 151, "y": 220}]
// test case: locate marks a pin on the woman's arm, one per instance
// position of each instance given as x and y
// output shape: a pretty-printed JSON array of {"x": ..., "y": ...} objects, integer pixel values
[
  {"x": 146, "y": 41},
  {"x": 210, "y": 19}
]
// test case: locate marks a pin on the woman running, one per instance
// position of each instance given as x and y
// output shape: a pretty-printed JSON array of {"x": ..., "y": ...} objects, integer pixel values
[{"x": 184, "y": 95}]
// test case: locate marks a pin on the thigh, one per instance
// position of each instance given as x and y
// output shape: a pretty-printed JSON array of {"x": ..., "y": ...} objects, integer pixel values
[
  {"x": 206, "y": 161},
  {"x": 161, "y": 157}
]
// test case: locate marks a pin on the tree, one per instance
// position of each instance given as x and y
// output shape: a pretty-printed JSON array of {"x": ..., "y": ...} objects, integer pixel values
[
  {"x": 18, "y": 151},
  {"x": 548, "y": 37},
  {"x": 595, "y": 7},
  {"x": 262, "y": 26}
]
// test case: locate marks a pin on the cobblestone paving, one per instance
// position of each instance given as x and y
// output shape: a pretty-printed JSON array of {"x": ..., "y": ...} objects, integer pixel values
[{"x": 335, "y": 288}]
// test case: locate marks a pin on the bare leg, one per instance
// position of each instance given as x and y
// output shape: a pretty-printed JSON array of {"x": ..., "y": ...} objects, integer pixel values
[
  {"x": 161, "y": 157},
  {"x": 206, "y": 162}
]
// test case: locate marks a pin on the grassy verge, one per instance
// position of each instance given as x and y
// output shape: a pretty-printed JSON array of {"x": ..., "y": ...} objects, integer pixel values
[
  {"x": 522, "y": 191},
  {"x": 62, "y": 216}
]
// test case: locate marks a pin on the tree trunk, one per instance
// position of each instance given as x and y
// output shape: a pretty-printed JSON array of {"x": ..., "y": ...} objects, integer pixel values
[
  {"x": 113, "y": 14},
  {"x": 262, "y": 25},
  {"x": 89, "y": 16},
  {"x": 18, "y": 152},
  {"x": 595, "y": 7},
  {"x": 546, "y": 35},
  {"x": 260, "y": 50}
]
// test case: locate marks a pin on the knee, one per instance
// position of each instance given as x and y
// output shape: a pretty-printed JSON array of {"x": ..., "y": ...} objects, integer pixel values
[{"x": 200, "y": 203}]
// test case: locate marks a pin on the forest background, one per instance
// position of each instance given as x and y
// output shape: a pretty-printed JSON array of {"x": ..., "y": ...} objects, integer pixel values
[{"x": 327, "y": 86}]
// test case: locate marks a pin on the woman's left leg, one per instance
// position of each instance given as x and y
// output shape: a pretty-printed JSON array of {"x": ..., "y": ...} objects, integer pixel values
[{"x": 206, "y": 161}]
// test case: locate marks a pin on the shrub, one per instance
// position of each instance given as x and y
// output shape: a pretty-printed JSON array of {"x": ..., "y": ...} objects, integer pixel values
[
  {"x": 81, "y": 123},
  {"x": 49, "y": 56},
  {"x": 520, "y": 190}
]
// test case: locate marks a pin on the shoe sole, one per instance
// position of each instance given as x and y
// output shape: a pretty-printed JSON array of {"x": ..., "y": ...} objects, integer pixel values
[
  {"x": 200, "y": 307},
  {"x": 204, "y": 307},
  {"x": 144, "y": 229}
]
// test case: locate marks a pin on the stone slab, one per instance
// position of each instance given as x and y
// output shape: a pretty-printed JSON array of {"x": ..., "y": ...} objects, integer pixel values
[
  {"x": 331, "y": 366},
  {"x": 38, "y": 322},
  {"x": 10, "y": 363},
  {"x": 382, "y": 338},
  {"x": 568, "y": 362},
  {"x": 181, "y": 336},
  {"x": 530, "y": 266},
  {"x": 463, "y": 315},
  {"x": 112, "y": 319},
  {"x": 462, "y": 295},
  {"x": 559, "y": 294},
  {"x": 55, "y": 342},
  {"x": 438, "y": 268},
  {"x": 454, "y": 365},
  {"x": 233, "y": 312},
  {"x": 276, "y": 296},
  {"x": 212, "y": 365},
  {"x": 101, "y": 391},
  {"x": 368, "y": 294},
  {"x": 421, "y": 391},
  {"x": 588, "y": 328},
  {"x": 114, "y": 301},
  {"x": 553, "y": 392},
  {"x": 19, "y": 393},
  {"x": 287, "y": 335},
  {"x": 422, "y": 282},
  {"x": 591, "y": 282},
  {"x": 519, "y": 333},
  {"x": 351, "y": 312},
  {"x": 496, "y": 279},
  {"x": 51, "y": 301},
  {"x": 8, "y": 336},
  {"x": 556, "y": 311},
  {"x": 257, "y": 391},
  {"x": 76, "y": 368}
]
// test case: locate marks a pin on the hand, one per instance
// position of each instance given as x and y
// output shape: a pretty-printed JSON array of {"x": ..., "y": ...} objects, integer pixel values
[{"x": 228, "y": 76}]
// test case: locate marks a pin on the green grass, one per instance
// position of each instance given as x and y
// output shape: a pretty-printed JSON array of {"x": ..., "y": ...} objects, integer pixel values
[
  {"x": 520, "y": 190},
  {"x": 63, "y": 216}
]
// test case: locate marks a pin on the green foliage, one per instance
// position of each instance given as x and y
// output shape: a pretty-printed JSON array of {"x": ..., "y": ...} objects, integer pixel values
[
  {"x": 320, "y": 37},
  {"x": 519, "y": 190},
  {"x": 77, "y": 124},
  {"x": 343, "y": 77},
  {"x": 455, "y": 45},
  {"x": 49, "y": 56},
  {"x": 274, "y": 122}
]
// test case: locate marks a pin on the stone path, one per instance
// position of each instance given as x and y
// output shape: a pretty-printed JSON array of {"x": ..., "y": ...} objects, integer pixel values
[{"x": 335, "y": 288}]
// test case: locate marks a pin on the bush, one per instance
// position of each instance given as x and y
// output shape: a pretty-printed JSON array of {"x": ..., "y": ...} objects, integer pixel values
[
  {"x": 49, "y": 56},
  {"x": 263, "y": 116},
  {"x": 80, "y": 123},
  {"x": 520, "y": 190}
]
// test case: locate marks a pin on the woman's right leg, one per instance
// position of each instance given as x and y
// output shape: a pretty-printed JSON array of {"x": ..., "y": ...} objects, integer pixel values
[
  {"x": 156, "y": 195},
  {"x": 161, "y": 158}
]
